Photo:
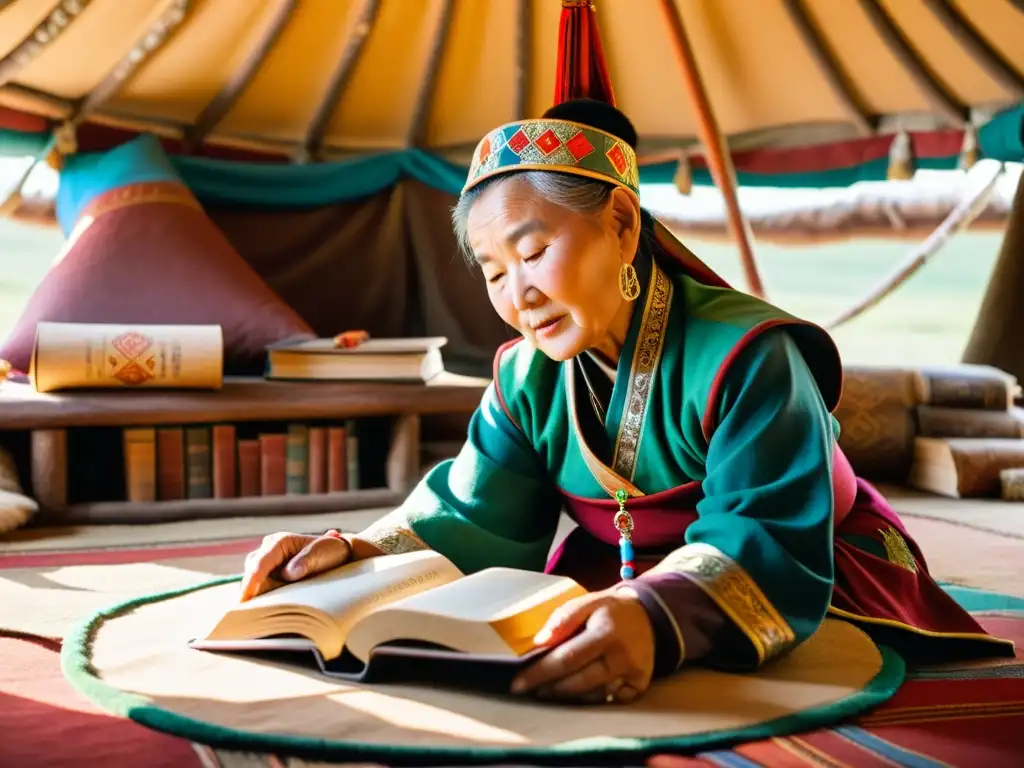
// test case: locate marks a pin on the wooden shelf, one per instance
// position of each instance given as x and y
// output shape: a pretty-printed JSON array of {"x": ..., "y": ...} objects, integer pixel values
[
  {"x": 126, "y": 512},
  {"x": 48, "y": 417},
  {"x": 240, "y": 399}
]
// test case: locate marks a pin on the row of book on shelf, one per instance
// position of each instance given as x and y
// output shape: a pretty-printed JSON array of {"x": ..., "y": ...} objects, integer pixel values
[{"x": 212, "y": 461}]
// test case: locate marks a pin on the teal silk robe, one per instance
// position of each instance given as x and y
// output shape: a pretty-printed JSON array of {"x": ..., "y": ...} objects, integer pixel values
[{"x": 718, "y": 425}]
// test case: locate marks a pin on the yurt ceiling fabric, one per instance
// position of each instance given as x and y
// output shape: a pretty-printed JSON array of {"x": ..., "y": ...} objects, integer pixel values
[{"x": 321, "y": 79}]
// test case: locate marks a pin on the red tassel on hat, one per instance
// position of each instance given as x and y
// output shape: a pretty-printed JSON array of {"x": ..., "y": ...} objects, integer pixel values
[{"x": 582, "y": 72}]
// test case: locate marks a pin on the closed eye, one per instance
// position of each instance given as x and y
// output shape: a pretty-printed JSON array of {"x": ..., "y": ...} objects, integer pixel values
[
  {"x": 535, "y": 256},
  {"x": 495, "y": 278}
]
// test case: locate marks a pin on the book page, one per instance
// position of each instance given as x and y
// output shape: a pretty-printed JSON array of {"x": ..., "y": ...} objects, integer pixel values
[
  {"x": 395, "y": 346},
  {"x": 497, "y": 610},
  {"x": 353, "y": 590}
]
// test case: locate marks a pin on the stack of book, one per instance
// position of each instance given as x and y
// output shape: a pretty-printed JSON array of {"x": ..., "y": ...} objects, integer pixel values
[
  {"x": 948, "y": 430},
  {"x": 202, "y": 462},
  {"x": 968, "y": 430}
]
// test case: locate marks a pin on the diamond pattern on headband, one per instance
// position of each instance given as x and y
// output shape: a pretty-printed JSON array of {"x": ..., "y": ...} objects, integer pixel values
[
  {"x": 617, "y": 158},
  {"x": 579, "y": 146},
  {"x": 548, "y": 142},
  {"x": 560, "y": 145}
]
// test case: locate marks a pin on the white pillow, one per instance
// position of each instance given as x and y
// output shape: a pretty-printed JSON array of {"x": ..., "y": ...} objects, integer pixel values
[{"x": 15, "y": 510}]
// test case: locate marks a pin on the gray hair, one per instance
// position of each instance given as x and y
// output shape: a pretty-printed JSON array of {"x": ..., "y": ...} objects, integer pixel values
[{"x": 576, "y": 193}]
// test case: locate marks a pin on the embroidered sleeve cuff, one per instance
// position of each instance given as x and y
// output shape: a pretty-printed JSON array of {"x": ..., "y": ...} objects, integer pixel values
[
  {"x": 684, "y": 619},
  {"x": 735, "y": 594},
  {"x": 391, "y": 535}
]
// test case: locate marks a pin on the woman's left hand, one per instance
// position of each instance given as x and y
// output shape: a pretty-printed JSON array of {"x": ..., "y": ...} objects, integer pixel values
[{"x": 611, "y": 659}]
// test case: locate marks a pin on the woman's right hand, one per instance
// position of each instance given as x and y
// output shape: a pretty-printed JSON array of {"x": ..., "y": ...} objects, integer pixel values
[{"x": 287, "y": 557}]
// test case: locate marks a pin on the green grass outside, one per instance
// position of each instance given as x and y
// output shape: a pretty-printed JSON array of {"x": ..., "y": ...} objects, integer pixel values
[
  {"x": 26, "y": 252},
  {"x": 926, "y": 321}
]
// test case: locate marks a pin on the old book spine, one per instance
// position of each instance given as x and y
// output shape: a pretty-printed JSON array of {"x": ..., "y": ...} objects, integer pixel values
[
  {"x": 317, "y": 460},
  {"x": 197, "y": 462},
  {"x": 225, "y": 485},
  {"x": 297, "y": 460},
  {"x": 273, "y": 461},
  {"x": 352, "y": 454},
  {"x": 979, "y": 462},
  {"x": 337, "y": 463},
  {"x": 935, "y": 421},
  {"x": 952, "y": 389},
  {"x": 170, "y": 463},
  {"x": 249, "y": 475},
  {"x": 140, "y": 464}
]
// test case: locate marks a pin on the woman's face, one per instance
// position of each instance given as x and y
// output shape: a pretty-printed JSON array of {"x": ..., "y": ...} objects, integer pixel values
[{"x": 553, "y": 274}]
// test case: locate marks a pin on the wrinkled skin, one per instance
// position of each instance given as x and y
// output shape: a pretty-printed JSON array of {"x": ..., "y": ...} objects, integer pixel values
[
  {"x": 543, "y": 262},
  {"x": 544, "y": 265}
]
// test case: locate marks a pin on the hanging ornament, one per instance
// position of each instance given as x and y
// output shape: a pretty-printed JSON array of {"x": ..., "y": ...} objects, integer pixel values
[
  {"x": 901, "y": 158},
  {"x": 65, "y": 143},
  {"x": 970, "y": 152},
  {"x": 683, "y": 179}
]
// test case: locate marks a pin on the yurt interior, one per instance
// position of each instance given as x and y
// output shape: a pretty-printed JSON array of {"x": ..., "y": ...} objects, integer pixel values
[{"x": 203, "y": 201}]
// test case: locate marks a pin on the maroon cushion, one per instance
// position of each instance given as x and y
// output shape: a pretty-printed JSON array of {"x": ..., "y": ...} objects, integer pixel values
[{"x": 146, "y": 253}]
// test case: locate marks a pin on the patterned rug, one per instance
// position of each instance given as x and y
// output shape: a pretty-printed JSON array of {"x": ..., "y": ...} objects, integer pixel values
[
  {"x": 966, "y": 715},
  {"x": 958, "y": 715},
  {"x": 963, "y": 715}
]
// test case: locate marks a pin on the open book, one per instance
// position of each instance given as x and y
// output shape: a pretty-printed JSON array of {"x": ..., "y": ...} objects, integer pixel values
[{"x": 408, "y": 618}]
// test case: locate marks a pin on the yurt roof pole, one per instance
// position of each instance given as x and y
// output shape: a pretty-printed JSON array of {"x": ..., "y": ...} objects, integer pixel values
[
  {"x": 159, "y": 27},
  {"x": 839, "y": 81},
  {"x": 974, "y": 42},
  {"x": 942, "y": 100},
  {"x": 313, "y": 141},
  {"x": 417, "y": 132},
  {"x": 221, "y": 104},
  {"x": 715, "y": 146}
]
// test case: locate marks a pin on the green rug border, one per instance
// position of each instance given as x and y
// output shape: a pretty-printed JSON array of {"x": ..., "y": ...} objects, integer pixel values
[{"x": 78, "y": 672}]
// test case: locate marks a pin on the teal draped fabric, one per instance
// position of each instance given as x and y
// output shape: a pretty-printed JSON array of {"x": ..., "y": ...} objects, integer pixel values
[
  {"x": 315, "y": 184},
  {"x": 226, "y": 181},
  {"x": 19, "y": 144}
]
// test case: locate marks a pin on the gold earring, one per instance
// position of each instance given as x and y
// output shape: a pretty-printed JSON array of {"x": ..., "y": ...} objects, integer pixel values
[{"x": 629, "y": 283}]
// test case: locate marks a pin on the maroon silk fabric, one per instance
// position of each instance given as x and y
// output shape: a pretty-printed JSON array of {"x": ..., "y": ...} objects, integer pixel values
[
  {"x": 661, "y": 519},
  {"x": 867, "y": 586},
  {"x": 871, "y": 586},
  {"x": 159, "y": 263}
]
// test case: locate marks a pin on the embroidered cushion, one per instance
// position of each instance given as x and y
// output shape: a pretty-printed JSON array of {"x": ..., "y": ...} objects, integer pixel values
[{"x": 141, "y": 250}]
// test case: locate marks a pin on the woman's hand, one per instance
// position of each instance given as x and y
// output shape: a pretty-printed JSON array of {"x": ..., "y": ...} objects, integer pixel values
[
  {"x": 285, "y": 557},
  {"x": 611, "y": 659}
]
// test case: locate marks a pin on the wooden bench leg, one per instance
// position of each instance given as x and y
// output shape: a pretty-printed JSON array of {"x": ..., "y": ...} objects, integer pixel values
[
  {"x": 49, "y": 458},
  {"x": 403, "y": 464}
]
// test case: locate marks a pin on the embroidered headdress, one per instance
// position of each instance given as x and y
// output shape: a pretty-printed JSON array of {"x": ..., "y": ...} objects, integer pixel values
[{"x": 583, "y": 134}]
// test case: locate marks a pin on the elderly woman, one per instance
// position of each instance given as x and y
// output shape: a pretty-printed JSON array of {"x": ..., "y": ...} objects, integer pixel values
[{"x": 684, "y": 426}]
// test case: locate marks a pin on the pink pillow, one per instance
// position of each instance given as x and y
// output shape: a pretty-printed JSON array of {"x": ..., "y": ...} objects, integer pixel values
[{"x": 143, "y": 251}]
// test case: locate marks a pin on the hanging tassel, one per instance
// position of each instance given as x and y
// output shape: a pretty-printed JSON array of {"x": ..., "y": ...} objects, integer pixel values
[
  {"x": 901, "y": 158},
  {"x": 969, "y": 153},
  {"x": 684, "y": 175},
  {"x": 581, "y": 72},
  {"x": 65, "y": 143}
]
